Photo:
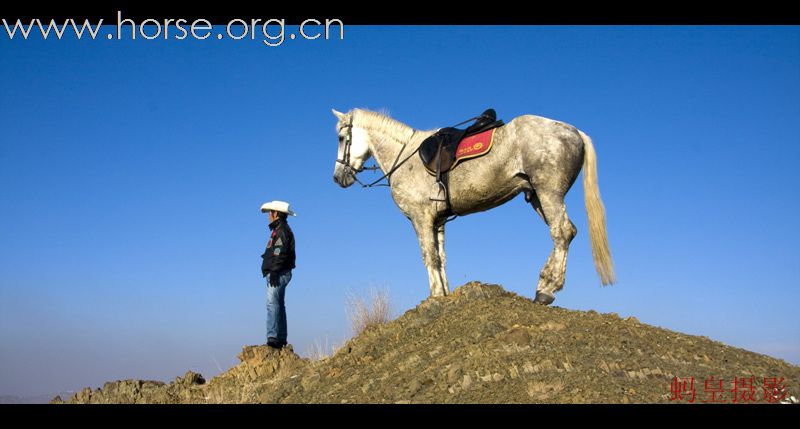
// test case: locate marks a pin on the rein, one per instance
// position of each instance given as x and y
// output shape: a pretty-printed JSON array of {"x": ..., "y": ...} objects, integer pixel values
[{"x": 348, "y": 142}]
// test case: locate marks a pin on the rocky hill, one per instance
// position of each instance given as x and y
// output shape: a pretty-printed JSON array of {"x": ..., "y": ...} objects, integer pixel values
[{"x": 482, "y": 344}]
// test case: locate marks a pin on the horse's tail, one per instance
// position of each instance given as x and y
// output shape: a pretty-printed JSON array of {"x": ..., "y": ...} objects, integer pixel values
[{"x": 596, "y": 213}]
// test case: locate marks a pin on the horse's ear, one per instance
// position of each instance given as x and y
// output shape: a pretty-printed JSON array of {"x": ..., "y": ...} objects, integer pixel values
[{"x": 338, "y": 114}]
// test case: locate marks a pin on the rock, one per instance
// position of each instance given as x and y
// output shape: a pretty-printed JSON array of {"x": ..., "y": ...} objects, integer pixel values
[
  {"x": 307, "y": 382},
  {"x": 466, "y": 382},
  {"x": 190, "y": 378},
  {"x": 516, "y": 335},
  {"x": 489, "y": 330},
  {"x": 413, "y": 388},
  {"x": 453, "y": 374},
  {"x": 551, "y": 326},
  {"x": 547, "y": 365},
  {"x": 528, "y": 367}
]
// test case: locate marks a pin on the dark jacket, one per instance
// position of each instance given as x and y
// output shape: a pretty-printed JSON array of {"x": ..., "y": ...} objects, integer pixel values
[{"x": 279, "y": 255}]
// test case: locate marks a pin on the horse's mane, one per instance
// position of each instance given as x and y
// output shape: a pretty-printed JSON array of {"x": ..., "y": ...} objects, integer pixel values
[{"x": 369, "y": 119}]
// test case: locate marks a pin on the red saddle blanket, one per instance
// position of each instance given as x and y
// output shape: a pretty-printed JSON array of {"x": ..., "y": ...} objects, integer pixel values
[
  {"x": 474, "y": 146},
  {"x": 444, "y": 155}
]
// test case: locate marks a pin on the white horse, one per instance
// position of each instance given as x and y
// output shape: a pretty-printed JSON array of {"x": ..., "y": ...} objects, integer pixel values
[{"x": 531, "y": 154}]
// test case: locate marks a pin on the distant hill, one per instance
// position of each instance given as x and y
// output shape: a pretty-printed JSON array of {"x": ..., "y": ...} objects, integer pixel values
[
  {"x": 482, "y": 344},
  {"x": 36, "y": 399}
]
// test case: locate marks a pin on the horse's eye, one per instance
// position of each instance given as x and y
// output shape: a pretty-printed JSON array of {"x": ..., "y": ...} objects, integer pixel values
[{"x": 341, "y": 138}]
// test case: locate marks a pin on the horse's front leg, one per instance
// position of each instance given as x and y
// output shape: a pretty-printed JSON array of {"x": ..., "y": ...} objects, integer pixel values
[
  {"x": 430, "y": 254},
  {"x": 442, "y": 258}
]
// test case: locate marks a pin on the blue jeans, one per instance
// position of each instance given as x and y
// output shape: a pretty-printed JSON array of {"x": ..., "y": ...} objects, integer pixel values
[{"x": 276, "y": 309}]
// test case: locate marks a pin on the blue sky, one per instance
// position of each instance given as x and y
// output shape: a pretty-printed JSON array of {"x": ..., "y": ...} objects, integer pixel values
[{"x": 132, "y": 173}]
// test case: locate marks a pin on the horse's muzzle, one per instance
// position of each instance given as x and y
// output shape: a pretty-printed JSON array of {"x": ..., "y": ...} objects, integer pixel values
[{"x": 344, "y": 179}]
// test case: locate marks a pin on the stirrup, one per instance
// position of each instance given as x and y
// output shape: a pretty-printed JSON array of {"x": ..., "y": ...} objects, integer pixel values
[{"x": 443, "y": 189}]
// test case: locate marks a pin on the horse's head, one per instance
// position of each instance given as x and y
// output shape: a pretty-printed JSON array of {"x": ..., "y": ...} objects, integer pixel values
[{"x": 353, "y": 149}]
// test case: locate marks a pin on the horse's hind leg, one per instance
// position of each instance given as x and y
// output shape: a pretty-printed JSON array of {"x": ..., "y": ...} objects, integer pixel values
[
  {"x": 562, "y": 231},
  {"x": 531, "y": 197}
]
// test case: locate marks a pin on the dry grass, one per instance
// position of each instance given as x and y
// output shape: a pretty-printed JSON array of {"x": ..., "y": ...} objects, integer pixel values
[
  {"x": 319, "y": 350},
  {"x": 363, "y": 312}
]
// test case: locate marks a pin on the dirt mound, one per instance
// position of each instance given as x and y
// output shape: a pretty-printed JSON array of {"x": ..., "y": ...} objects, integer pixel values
[{"x": 482, "y": 344}]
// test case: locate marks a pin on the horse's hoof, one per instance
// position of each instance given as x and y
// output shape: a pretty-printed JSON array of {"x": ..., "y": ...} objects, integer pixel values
[{"x": 544, "y": 298}]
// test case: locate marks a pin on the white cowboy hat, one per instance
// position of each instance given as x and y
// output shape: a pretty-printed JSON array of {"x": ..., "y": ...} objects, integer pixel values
[{"x": 278, "y": 206}]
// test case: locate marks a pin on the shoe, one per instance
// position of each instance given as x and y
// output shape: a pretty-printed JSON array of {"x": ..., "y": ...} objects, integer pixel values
[{"x": 274, "y": 343}]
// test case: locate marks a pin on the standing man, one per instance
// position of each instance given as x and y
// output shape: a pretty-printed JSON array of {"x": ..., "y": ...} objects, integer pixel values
[{"x": 277, "y": 265}]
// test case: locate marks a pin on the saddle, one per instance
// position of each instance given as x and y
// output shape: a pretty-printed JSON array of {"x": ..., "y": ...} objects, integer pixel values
[
  {"x": 441, "y": 152},
  {"x": 438, "y": 152}
]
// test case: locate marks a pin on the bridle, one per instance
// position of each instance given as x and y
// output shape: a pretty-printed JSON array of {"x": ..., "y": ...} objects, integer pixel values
[
  {"x": 348, "y": 142},
  {"x": 349, "y": 169}
]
